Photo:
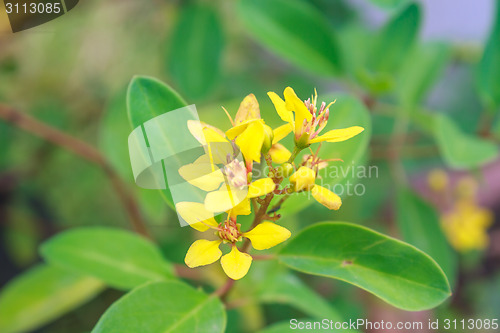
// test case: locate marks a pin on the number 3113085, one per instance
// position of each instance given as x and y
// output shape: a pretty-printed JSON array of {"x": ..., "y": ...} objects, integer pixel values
[{"x": 33, "y": 8}]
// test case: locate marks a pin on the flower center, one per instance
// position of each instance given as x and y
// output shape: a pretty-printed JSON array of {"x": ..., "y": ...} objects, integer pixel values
[
  {"x": 319, "y": 117},
  {"x": 230, "y": 231}
]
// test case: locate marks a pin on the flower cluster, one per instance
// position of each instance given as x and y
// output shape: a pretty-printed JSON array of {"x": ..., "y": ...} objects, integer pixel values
[
  {"x": 464, "y": 221},
  {"x": 226, "y": 173}
]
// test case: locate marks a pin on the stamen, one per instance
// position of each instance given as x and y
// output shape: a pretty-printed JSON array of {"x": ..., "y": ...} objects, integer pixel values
[{"x": 229, "y": 116}]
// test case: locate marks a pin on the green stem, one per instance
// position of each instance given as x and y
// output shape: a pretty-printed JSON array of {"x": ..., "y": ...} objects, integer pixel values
[{"x": 295, "y": 152}]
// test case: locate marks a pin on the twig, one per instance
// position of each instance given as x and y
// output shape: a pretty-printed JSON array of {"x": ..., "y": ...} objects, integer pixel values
[
  {"x": 223, "y": 291},
  {"x": 82, "y": 149}
]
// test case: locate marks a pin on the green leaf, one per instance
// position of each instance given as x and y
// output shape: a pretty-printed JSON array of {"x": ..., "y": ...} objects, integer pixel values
[
  {"x": 148, "y": 98},
  {"x": 41, "y": 295},
  {"x": 389, "y": 4},
  {"x": 284, "y": 287},
  {"x": 461, "y": 150},
  {"x": 395, "y": 40},
  {"x": 294, "y": 30},
  {"x": 119, "y": 258},
  {"x": 394, "y": 271},
  {"x": 347, "y": 111},
  {"x": 420, "y": 71},
  {"x": 195, "y": 50},
  {"x": 164, "y": 307},
  {"x": 418, "y": 222},
  {"x": 488, "y": 78}
]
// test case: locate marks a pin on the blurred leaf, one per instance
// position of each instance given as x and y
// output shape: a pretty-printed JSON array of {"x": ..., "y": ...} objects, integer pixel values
[
  {"x": 420, "y": 70},
  {"x": 164, "y": 307},
  {"x": 22, "y": 235},
  {"x": 489, "y": 67},
  {"x": 195, "y": 50},
  {"x": 294, "y": 30},
  {"x": 120, "y": 258},
  {"x": 389, "y": 4},
  {"x": 284, "y": 287},
  {"x": 5, "y": 140},
  {"x": 347, "y": 111},
  {"x": 395, "y": 41},
  {"x": 394, "y": 271},
  {"x": 419, "y": 225},
  {"x": 113, "y": 135},
  {"x": 147, "y": 98},
  {"x": 41, "y": 295},
  {"x": 461, "y": 150}
]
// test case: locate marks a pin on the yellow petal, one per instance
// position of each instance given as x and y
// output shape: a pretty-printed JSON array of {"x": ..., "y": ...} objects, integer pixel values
[
  {"x": 281, "y": 132},
  {"x": 224, "y": 199},
  {"x": 267, "y": 235},
  {"x": 243, "y": 208},
  {"x": 203, "y": 252},
  {"x": 249, "y": 109},
  {"x": 239, "y": 128},
  {"x": 279, "y": 154},
  {"x": 251, "y": 140},
  {"x": 294, "y": 103},
  {"x": 236, "y": 264},
  {"x": 261, "y": 187},
  {"x": 201, "y": 174},
  {"x": 280, "y": 106},
  {"x": 326, "y": 197},
  {"x": 204, "y": 132},
  {"x": 303, "y": 178},
  {"x": 339, "y": 134},
  {"x": 195, "y": 214}
]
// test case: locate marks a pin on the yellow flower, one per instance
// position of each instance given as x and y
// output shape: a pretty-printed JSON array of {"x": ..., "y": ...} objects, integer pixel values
[
  {"x": 466, "y": 225},
  {"x": 306, "y": 121},
  {"x": 303, "y": 179},
  {"x": 236, "y": 263}
]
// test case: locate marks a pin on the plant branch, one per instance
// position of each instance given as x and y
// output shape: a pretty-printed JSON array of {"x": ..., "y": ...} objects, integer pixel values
[{"x": 82, "y": 149}]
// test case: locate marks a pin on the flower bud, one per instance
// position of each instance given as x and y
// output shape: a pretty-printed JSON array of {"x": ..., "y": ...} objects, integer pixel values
[
  {"x": 268, "y": 139},
  {"x": 285, "y": 170},
  {"x": 326, "y": 197},
  {"x": 303, "y": 179}
]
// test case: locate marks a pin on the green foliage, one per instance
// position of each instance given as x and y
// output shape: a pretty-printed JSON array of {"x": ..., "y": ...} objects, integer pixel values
[
  {"x": 42, "y": 294},
  {"x": 164, "y": 307},
  {"x": 147, "y": 98},
  {"x": 394, "y": 271},
  {"x": 396, "y": 40},
  {"x": 488, "y": 79},
  {"x": 119, "y": 258},
  {"x": 421, "y": 68},
  {"x": 461, "y": 150},
  {"x": 195, "y": 50},
  {"x": 294, "y": 30},
  {"x": 389, "y": 49},
  {"x": 389, "y": 4},
  {"x": 419, "y": 225},
  {"x": 286, "y": 288}
]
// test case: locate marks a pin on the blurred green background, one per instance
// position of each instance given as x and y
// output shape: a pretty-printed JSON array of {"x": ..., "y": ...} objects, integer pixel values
[{"x": 427, "y": 74}]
